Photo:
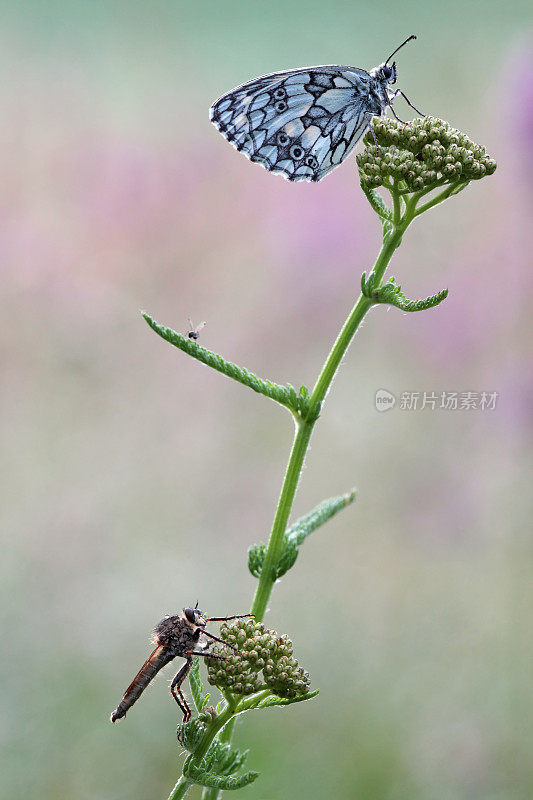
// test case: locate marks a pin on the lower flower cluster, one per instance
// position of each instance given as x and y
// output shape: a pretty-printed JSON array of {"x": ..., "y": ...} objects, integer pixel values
[
  {"x": 423, "y": 153},
  {"x": 259, "y": 651}
]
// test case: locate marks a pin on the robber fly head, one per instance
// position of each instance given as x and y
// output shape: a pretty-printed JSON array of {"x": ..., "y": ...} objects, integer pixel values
[{"x": 195, "y": 617}]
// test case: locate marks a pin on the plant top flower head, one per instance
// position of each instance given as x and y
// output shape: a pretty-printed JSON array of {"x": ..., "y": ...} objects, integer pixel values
[
  {"x": 413, "y": 161},
  {"x": 421, "y": 154},
  {"x": 259, "y": 650}
]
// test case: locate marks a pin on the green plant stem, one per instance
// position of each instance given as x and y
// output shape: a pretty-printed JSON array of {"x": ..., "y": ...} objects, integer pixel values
[
  {"x": 225, "y": 736},
  {"x": 275, "y": 545},
  {"x": 180, "y": 789},
  {"x": 444, "y": 195},
  {"x": 304, "y": 429},
  {"x": 218, "y": 723}
]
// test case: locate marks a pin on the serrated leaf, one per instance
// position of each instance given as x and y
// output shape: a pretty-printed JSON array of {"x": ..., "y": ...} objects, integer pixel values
[
  {"x": 213, "y": 781},
  {"x": 281, "y": 394},
  {"x": 197, "y": 688},
  {"x": 320, "y": 514},
  {"x": 368, "y": 285},
  {"x": 191, "y": 733},
  {"x": 297, "y": 534},
  {"x": 223, "y": 759},
  {"x": 391, "y": 294},
  {"x": 256, "y": 556},
  {"x": 377, "y": 203},
  {"x": 274, "y": 700},
  {"x": 288, "y": 557}
]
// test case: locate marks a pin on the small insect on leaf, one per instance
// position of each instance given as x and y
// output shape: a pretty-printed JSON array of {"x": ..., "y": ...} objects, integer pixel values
[{"x": 194, "y": 333}]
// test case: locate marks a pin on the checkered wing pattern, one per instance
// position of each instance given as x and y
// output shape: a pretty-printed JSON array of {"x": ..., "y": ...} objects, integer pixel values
[{"x": 300, "y": 124}]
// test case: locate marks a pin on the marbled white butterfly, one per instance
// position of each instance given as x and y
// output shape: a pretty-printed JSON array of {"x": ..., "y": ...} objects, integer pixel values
[{"x": 303, "y": 122}]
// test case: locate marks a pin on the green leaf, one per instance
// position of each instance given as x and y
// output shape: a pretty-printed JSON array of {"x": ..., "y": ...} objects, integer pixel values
[
  {"x": 226, "y": 783},
  {"x": 320, "y": 514},
  {"x": 377, "y": 203},
  {"x": 281, "y": 394},
  {"x": 368, "y": 285},
  {"x": 223, "y": 759},
  {"x": 391, "y": 294},
  {"x": 190, "y": 734},
  {"x": 300, "y": 403},
  {"x": 256, "y": 556},
  {"x": 288, "y": 557},
  {"x": 297, "y": 534},
  {"x": 197, "y": 688},
  {"x": 274, "y": 700}
]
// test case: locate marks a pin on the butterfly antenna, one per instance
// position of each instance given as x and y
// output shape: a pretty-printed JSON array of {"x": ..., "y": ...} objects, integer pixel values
[{"x": 400, "y": 47}]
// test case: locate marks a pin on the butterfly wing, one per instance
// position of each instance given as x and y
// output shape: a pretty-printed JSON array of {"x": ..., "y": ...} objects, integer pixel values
[{"x": 301, "y": 123}]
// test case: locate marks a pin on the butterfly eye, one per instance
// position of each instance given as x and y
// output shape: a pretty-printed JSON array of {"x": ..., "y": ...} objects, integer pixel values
[
  {"x": 280, "y": 93},
  {"x": 296, "y": 152},
  {"x": 280, "y": 106},
  {"x": 283, "y": 139},
  {"x": 311, "y": 162},
  {"x": 387, "y": 72},
  {"x": 189, "y": 613}
]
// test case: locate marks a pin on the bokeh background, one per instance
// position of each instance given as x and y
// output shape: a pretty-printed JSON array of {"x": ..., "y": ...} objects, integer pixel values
[{"x": 133, "y": 479}]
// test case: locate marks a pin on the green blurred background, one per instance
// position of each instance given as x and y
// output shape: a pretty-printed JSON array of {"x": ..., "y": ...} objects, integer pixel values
[{"x": 133, "y": 479}]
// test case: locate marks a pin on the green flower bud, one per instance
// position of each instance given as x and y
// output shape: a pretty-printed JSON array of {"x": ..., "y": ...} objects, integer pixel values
[
  {"x": 420, "y": 154},
  {"x": 262, "y": 656}
]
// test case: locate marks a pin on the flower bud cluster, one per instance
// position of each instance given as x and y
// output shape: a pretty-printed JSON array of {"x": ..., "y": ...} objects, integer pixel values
[
  {"x": 259, "y": 650},
  {"x": 423, "y": 153}
]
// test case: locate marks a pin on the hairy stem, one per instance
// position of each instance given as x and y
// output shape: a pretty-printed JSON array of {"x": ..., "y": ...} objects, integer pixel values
[
  {"x": 180, "y": 789},
  {"x": 279, "y": 526},
  {"x": 305, "y": 428}
]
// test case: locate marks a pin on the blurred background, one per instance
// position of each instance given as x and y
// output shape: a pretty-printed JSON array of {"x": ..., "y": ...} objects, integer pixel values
[{"x": 134, "y": 479}]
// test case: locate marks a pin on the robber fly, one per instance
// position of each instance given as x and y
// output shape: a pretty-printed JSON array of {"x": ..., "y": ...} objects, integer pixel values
[
  {"x": 194, "y": 333},
  {"x": 175, "y": 635}
]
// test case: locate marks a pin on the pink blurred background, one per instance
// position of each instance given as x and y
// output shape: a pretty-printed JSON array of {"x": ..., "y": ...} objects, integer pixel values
[{"x": 134, "y": 480}]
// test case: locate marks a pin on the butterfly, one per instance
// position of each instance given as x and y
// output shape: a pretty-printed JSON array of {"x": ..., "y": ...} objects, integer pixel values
[{"x": 303, "y": 123}]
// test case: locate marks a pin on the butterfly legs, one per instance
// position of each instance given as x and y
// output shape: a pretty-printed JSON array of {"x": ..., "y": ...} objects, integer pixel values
[
  {"x": 378, "y": 148},
  {"x": 394, "y": 95}
]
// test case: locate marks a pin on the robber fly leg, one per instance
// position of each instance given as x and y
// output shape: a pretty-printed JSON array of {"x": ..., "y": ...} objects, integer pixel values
[
  {"x": 176, "y": 692},
  {"x": 227, "y": 619},
  {"x": 205, "y": 654},
  {"x": 220, "y": 641}
]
